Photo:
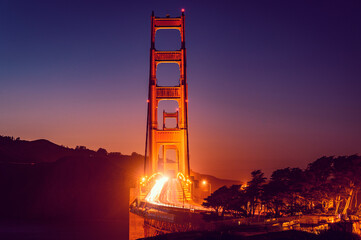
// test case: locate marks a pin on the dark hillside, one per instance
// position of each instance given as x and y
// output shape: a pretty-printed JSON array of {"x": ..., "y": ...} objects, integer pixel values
[
  {"x": 83, "y": 198},
  {"x": 37, "y": 151},
  {"x": 41, "y": 180},
  {"x": 71, "y": 188},
  {"x": 216, "y": 182}
]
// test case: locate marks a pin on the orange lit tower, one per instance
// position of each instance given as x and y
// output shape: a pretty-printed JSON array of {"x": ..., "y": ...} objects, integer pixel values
[{"x": 167, "y": 138}]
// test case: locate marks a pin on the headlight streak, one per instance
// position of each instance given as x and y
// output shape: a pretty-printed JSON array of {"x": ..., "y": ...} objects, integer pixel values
[
  {"x": 167, "y": 197},
  {"x": 153, "y": 195}
]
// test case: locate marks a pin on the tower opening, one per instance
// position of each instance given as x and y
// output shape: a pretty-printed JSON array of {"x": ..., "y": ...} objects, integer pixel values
[
  {"x": 167, "y": 106},
  {"x": 166, "y": 40},
  {"x": 168, "y": 160},
  {"x": 168, "y": 75},
  {"x": 170, "y": 123}
]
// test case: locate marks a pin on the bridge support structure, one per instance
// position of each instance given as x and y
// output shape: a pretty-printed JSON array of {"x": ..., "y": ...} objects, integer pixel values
[{"x": 163, "y": 139}]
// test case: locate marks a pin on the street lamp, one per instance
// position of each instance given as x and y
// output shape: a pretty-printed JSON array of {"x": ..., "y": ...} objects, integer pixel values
[{"x": 204, "y": 183}]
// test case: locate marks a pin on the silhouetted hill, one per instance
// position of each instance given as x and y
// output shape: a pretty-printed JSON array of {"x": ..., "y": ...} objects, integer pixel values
[
  {"x": 216, "y": 182},
  {"x": 37, "y": 151},
  {"x": 42, "y": 180},
  {"x": 43, "y": 151}
]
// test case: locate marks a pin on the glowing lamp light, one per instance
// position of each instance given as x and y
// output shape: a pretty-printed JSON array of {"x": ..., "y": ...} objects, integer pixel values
[
  {"x": 182, "y": 9},
  {"x": 147, "y": 100},
  {"x": 204, "y": 182}
]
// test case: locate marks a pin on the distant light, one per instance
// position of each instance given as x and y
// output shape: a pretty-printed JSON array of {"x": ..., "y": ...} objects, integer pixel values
[
  {"x": 182, "y": 9},
  {"x": 148, "y": 100},
  {"x": 204, "y": 182}
]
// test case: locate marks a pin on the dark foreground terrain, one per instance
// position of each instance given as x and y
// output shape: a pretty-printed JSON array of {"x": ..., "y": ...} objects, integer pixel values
[
  {"x": 229, "y": 235},
  {"x": 53, "y": 192},
  {"x": 49, "y": 191},
  {"x": 115, "y": 229}
]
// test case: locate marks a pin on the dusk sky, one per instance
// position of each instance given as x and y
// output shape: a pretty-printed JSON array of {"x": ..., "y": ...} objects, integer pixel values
[{"x": 272, "y": 84}]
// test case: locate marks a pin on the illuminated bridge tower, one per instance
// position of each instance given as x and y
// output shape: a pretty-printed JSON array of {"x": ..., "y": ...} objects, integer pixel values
[{"x": 167, "y": 138}]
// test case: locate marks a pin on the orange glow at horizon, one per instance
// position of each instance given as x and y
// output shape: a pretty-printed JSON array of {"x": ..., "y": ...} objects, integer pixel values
[{"x": 252, "y": 106}]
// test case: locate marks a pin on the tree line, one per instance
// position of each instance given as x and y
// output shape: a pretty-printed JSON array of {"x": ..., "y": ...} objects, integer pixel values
[{"x": 328, "y": 185}]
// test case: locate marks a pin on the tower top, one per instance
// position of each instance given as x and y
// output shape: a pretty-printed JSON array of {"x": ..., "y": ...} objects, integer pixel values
[{"x": 168, "y": 15}]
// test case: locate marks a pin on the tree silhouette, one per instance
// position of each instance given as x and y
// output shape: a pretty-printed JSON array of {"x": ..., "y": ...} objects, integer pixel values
[
  {"x": 102, "y": 152},
  {"x": 326, "y": 184},
  {"x": 219, "y": 200},
  {"x": 254, "y": 190}
]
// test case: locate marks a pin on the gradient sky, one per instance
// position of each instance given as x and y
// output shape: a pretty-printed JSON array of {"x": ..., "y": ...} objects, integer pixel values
[{"x": 272, "y": 84}]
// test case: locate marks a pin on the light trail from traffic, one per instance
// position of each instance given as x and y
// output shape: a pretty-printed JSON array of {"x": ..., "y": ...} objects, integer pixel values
[
  {"x": 153, "y": 195},
  {"x": 164, "y": 193}
]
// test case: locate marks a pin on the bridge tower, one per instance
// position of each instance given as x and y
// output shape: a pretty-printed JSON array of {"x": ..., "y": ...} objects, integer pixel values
[{"x": 167, "y": 138}]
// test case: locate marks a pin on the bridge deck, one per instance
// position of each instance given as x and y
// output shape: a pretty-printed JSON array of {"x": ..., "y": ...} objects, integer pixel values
[{"x": 171, "y": 214}]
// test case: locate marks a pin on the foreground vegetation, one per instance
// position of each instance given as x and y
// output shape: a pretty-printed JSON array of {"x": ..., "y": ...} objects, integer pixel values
[{"x": 328, "y": 185}]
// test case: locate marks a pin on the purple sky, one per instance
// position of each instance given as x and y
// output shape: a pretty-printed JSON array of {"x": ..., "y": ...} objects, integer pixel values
[{"x": 272, "y": 84}]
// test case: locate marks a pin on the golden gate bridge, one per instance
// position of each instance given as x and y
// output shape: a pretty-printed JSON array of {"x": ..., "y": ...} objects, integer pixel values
[{"x": 165, "y": 192}]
